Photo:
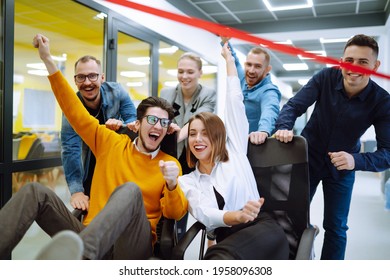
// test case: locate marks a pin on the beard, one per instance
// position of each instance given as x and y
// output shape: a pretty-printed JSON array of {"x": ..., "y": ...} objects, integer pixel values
[
  {"x": 143, "y": 144},
  {"x": 91, "y": 99},
  {"x": 86, "y": 95}
]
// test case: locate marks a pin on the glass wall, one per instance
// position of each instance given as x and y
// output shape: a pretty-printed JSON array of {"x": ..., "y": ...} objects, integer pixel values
[
  {"x": 73, "y": 30},
  {"x": 133, "y": 66}
]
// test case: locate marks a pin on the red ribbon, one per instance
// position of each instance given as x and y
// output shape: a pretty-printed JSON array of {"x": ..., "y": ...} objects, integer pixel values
[{"x": 221, "y": 30}]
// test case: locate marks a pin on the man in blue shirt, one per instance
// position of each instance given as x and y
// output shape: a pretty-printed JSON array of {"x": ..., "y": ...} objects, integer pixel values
[
  {"x": 347, "y": 104},
  {"x": 261, "y": 96},
  {"x": 111, "y": 105}
]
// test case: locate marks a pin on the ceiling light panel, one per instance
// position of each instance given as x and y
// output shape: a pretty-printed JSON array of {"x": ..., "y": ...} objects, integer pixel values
[
  {"x": 274, "y": 8},
  {"x": 295, "y": 66}
]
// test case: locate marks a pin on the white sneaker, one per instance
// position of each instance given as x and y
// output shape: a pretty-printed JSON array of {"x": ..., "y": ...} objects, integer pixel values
[{"x": 65, "y": 245}]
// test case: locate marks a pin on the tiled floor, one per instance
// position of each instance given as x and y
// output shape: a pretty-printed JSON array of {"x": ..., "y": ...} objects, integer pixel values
[{"x": 368, "y": 236}]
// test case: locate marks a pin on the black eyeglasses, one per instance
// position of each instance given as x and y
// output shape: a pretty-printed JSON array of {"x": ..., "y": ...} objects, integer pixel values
[
  {"x": 92, "y": 77},
  {"x": 153, "y": 120}
]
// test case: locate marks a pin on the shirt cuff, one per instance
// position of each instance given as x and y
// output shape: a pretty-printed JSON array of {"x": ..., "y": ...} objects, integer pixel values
[
  {"x": 359, "y": 162},
  {"x": 216, "y": 219}
]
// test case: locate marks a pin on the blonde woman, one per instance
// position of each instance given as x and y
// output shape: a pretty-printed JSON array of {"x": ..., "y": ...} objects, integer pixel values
[{"x": 189, "y": 97}]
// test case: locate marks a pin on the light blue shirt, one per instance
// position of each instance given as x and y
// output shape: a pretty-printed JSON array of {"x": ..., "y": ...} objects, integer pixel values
[{"x": 262, "y": 101}]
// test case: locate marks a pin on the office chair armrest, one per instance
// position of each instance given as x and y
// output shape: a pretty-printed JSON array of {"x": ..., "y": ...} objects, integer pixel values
[
  {"x": 179, "y": 250},
  {"x": 305, "y": 248},
  {"x": 79, "y": 214}
]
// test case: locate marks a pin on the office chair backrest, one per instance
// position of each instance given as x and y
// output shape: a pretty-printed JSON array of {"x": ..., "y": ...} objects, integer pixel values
[
  {"x": 282, "y": 176},
  {"x": 15, "y": 147},
  {"x": 36, "y": 151},
  {"x": 26, "y": 143}
]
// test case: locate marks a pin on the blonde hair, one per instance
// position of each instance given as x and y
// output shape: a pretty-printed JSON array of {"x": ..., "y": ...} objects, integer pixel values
[
  {"x": 87, "y": 58},
  {"x": 260, "y": 50},
  {"x": 193, "y": 57}
]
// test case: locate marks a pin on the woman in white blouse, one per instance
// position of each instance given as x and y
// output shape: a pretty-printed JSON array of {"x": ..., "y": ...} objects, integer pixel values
[{"x": 222, "y": 191}]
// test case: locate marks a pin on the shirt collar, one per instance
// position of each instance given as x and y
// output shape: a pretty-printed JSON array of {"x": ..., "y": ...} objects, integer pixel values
[
  {"x": 152, "y": 154},
  {"x": 362, "y": 95},
  {"x": 198, "y": 174}
]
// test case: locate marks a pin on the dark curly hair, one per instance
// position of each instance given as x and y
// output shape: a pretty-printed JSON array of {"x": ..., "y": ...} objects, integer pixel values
[{"x": 153, "y": 101}]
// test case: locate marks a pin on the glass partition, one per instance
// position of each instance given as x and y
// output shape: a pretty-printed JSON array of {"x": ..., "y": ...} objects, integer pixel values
[
  {"x": 74, "y": 30},
  {"x": 133, "y": 66}
]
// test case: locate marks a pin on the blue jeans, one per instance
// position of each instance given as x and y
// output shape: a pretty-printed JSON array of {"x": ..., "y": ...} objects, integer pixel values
[{"x": 337, "y": 201}]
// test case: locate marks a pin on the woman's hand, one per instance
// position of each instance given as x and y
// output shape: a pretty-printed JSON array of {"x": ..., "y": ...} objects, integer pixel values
[{"x": 248, "y": 213}]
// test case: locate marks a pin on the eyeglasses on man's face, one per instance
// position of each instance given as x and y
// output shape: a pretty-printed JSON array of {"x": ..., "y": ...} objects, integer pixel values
[
  {"x": 153, "y": 120},
  {"x": 92, "y": 77}
]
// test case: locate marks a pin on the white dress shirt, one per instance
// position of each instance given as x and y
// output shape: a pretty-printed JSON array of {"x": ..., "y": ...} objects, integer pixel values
[{"x": 233, "y": 179}]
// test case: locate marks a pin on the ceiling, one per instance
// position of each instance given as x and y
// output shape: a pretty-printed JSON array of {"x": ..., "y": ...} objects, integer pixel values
[{"x": 327, "y": 19}]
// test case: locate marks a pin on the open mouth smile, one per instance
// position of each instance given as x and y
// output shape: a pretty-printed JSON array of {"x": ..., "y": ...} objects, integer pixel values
[{"x": 154, "y": 136}]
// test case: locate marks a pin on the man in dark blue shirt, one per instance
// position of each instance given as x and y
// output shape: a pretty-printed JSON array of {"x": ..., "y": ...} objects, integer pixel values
[{"x": 347, "y": 103}]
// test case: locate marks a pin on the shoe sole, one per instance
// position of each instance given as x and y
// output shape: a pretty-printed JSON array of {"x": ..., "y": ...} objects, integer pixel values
[{"x": 65, "y": 245}]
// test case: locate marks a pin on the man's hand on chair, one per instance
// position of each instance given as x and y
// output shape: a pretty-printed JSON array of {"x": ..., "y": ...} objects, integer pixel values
[
  {"x": 284, "y": 135},
  {"x": 80, "y": 201},
  {"x": 114, "y": 124},
  {"x": 258, "y": 137}
]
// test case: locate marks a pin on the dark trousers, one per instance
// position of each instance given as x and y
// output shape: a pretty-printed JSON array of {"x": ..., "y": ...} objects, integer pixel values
[
  {"x": 120, "y": 231},
  {"x": 262, "y": 239}
]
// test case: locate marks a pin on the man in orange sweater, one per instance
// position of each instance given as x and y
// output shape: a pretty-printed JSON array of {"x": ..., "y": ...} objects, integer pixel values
[{"x": 134, "y": 183}]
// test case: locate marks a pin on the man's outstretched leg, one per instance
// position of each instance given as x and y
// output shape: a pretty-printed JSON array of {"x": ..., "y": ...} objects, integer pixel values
[
  {"x": 33, "y": 202},
  {"x": 122, "y": 225}
]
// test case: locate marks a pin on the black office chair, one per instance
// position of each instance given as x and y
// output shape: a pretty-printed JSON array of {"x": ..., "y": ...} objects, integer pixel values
[
  {"x": 166, "y": 228},
  {"x": 281, "y": 172},
  {"x": 36, "y": 151}
]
